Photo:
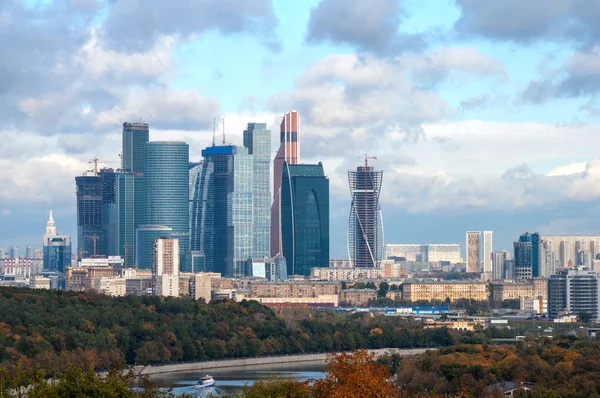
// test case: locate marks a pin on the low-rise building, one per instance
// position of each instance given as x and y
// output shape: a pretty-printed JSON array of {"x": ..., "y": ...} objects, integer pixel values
[
  {"x": 200, "y": 285},
  {"x": 395, "y": 295},
  {"x": 345, "y": 274},
  {"x": 442, "y": 290},
  {"x": 537, "y": 306},
  {"x": 457, "y": 324},
  {"x": 331, "y": 300},
  {"x": 294, "y": 289},
  {"x": 115, "y": 286},
  {"x": 138, "y": 287},
  {"x": 82, "y": 278},
  {"x": 515, "y": 290},
  {"x": 39, "y": 282},
  {"x": 358, "y": 297}
]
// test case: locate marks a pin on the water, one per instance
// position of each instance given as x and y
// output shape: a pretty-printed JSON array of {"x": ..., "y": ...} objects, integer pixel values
[{"x": 231, "y": 380}]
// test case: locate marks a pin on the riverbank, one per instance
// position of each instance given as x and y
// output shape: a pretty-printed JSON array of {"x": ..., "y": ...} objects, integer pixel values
[{"x": 232, "y": 363}]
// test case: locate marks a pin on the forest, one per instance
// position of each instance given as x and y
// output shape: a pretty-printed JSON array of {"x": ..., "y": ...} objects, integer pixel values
[{"x": 51, "y": 329}]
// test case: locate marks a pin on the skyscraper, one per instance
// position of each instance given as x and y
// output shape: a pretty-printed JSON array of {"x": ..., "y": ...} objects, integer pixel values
[
  {"x": 304, "y": 217},
  {"x": 365, "y": 226},
  {"x": 166, "y": 180},
  {"x": 257, "y": 138},
  {"x": 527, "y": 256},
  {"x": 165, "y": 267},
  {"x": 289, "y": 151},
  {"x": 498, "y": 265},
  {"x": 135, "y": 137},
  {"x": 473, "y": 251},
  {"x": 232, "y": 209},
  {"x": 57, "y": 249},
  {"x": 145, "y": 237},
  {"x": 95, "y": 192},
  {"x": 487, "y": 251},
  {"x": 30, "y": 251},
  {"x": 202, "y": 213},
  {"x": 574, "y": 292},
  {"x": 130, "y": 192}
]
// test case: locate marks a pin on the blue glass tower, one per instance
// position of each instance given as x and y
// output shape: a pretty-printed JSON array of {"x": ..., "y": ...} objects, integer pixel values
[
  {"x": 527, "y": 256},
  {"x": 135, "y": 137},
  {"x": 167, "y": 189},
  {"x": 257, "y": 138},
  {"x": 202, "y": 213},
  {"x": 304, "y": 217},
  {"x": 145, "y": 236}
]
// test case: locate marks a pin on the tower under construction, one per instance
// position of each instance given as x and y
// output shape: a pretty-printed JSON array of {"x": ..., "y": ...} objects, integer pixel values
[{"x": 365, "y": 225}]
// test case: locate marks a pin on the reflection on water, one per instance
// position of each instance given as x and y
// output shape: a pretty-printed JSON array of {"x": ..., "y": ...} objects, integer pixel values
[{"x": 230, "y": 380}]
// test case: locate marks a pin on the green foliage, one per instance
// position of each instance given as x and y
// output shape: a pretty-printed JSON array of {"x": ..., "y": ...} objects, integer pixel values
[
  {"x": 584, "y": 317},
  {"x": 54, "y": 329},
  {"x": 383, "y": 289}
]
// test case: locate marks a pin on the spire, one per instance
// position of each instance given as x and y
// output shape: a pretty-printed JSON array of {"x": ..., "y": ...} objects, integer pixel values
[
  {"x": 50, "y": 226},
  {"x": 51, "y": 219}
]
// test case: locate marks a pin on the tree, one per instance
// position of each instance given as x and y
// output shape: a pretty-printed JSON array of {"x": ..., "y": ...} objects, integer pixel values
[
  {"x": 383, "y": 289},
  {"x": 584, "y": 317},
  {"x": 354, "y": 375},
  {"x": 275, "y": 387}
]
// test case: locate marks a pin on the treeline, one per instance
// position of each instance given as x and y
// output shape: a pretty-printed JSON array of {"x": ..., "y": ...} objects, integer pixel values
[
  {"x": 564, "y": 367},
  {"x": 52, "y": 329}
]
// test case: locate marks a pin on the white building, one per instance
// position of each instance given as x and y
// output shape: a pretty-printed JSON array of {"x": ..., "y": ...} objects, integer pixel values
[
  {"x": 346, "y": 274},
  {"x": 431, "y": 252},
  {"x": 111, "y": 286},
  {"x": 487, "y": 251},
  {"x": 566, "y": 248},
  {"x": 499, "y": 260}
]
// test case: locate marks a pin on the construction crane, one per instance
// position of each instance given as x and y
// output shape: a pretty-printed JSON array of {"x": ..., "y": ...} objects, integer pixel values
[
  {"x": 81, "y": 251},
  {"x": 95, "y": 238},
  {"x": 95, "y": 162},
  {"x": 367, "y": 157}
]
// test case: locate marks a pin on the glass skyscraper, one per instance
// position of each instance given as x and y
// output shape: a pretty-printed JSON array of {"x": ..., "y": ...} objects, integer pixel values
[
  {"x": 227, "y": 217},
  {"x": 135, "y": 137},
  {"x": 202, "y": 214},
  {"x": 167, "y": 188},
  {"x": 258, "y": 141},
  {"x": 130, "y": 213},
  {"x": 145, "y": 236},
  {"x": 527, "y": 256},
  {"x": 304, "y": 203}
]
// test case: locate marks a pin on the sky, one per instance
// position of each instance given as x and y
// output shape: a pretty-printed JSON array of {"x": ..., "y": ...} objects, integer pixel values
[{"x": 482, "y": 115}]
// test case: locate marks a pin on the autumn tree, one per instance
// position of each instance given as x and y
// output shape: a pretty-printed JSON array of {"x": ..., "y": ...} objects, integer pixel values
[{"x": 354, "y": 375}]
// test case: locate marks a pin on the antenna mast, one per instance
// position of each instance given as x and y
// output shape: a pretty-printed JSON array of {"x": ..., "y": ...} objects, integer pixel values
[
  {"x": 214, "y": 129},
  {"x": 223, "y": 130}
]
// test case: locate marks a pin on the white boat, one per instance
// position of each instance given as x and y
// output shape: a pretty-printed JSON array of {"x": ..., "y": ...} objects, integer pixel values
[{"x": 206, "y": 381}]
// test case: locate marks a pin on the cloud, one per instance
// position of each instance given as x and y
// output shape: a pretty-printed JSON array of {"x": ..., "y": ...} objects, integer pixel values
[
  {"x": 5, "y": 212},
  {"x": 568, "y": 169},
  {"x": 137, "y": 24},
  {"x": 370, "y": 26},
  {"x": 528, "y": 21}
]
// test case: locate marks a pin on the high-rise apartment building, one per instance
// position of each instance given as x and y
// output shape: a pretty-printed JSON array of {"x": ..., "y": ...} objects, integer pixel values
[
  {"x": 574, "y": 292},
  {"x": 14, "y": 250},
  {"x": 473, "y": 251},
  {"x": 257, "y": 138},
  {"x": 365, "y": 226},
  {"x": 145, "y": 237},
  {"x": 487, "y": 251},
  {"x": 566, "y": 248},
  {"x": 431, "y": 252},
  {"x": 498, "y": 264},
  {"x": 166, "y": 183},
  {"x": 30, "y": 251},
  {"x": 288, "y": 152},
  {"x": 165, "y": 267},
  {"x": 304, "y": 203}
]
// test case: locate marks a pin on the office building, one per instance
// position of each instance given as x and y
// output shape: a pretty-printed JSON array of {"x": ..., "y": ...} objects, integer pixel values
[
  {"x": 2, "y": 253},
  {"x": 365, "y": 226},
  {"x": 96, "y": 217},
  {"x": 527, "y": 256},
  {"x": 304, "y": 217},
  {"x": 165, "y": 267},
  {"x": 473, "y": 251},
  {"x": 257, "y": 138},
  {"x": 14, "y": 250},
  {"x": 433, "y": 252},
  {"x": 288, "y": 153},
  {"x": 573, "y": 292},
  {"x": 57, "y": 249},
  {"x": 130, "y": 210},
  {"x": 498, "y": 264},
  {"x": 145, "y": 237},
  {"x": 166, "y": 183},
  {"x": 566, "y": 248},
  {"x": 487, "y": 251},
  {"x": 135, "y": 137},
  {"x": 229, "y": 215},
  {"x": 202, "y": 213},
  {"x": 272, "y": 269}
]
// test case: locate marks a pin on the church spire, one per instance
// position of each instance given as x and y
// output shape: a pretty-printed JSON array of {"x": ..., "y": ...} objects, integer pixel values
[{"x": 50, "y": 226}]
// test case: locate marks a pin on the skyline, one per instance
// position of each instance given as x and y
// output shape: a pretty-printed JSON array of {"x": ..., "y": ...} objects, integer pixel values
[{"x": 489, "y": 126}]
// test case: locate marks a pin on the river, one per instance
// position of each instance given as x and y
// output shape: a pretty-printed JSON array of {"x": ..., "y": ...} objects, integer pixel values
[{"x": 231, "y": 380}]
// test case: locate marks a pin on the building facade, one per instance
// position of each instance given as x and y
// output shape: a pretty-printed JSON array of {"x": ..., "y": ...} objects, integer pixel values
[
  {"x": 57, "y": 249},
  {"x": 359, "y": 297},
  {"x": 473, "y": 251},
  {"x": 527, "y": 256},
  {"x": 304, "y": 217},
  {"x": 167, "y": 187},
  {"x": 145, "y": 237},
  {"x": 135, "y": 137},
  {"x": 487, "y": 251},
  {"x": 202, "y": 213},
  {"x": 498, "y": 264},
  {"x": 442, "y": 290},
  {"x": 257, "y": 138},
  {"x": 166, "y": 267},
  {"x": 365, "y": 226},
  {"x": 289, "y": 153},
  {"x": 566, "y": 248},
  {"x": 573, "y": 292},
  {"x": 424, "y": 252}
]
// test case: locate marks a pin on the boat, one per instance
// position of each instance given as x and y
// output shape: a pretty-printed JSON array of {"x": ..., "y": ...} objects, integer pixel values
[{"x": 206, "y": 381}]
